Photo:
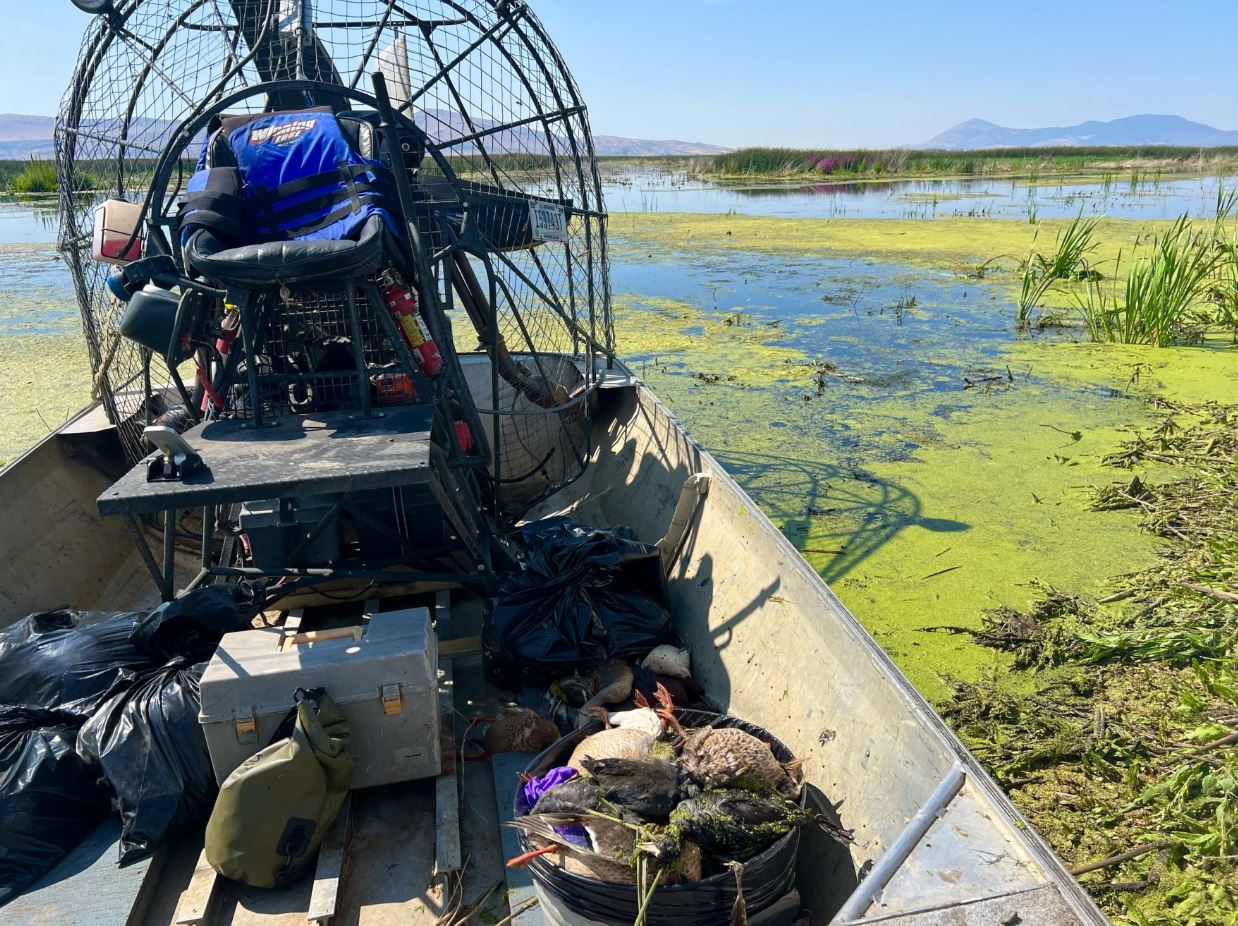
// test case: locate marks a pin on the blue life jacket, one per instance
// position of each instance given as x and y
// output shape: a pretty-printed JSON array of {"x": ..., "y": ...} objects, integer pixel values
[{"x": 293, "y": 176}]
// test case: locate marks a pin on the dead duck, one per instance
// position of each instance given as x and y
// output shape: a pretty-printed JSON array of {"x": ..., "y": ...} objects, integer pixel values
[
  {"x": 649, "y": 788},
  {"x": 669, "y": 660},
  {"x": 518, "y": 729},
  {"x": 597, "y": 684},
  {"x": 687, "y": 867},
  {"x": 615, "y": 743},
  {"x": 727, "y": 757},
  {"x": 611, "y": 852},
  {"x": 577, "y": 795},
  {"x": 651, "y": 720},
  {"x": 734, "y": 825},
  {"x": 637, "y": 739}
]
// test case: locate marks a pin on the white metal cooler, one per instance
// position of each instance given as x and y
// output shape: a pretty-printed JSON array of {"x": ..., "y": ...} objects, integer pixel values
[{"x": 383, "y": 676}]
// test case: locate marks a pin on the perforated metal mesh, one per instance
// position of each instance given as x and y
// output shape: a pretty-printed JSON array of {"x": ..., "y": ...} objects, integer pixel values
[
  {"x": 480, "y": 77},
  {"x": 305, "y": 361}
]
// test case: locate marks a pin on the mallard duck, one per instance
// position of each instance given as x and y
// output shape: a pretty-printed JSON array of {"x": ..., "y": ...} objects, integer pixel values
[
  {"x": 686, "y": 868},
  {"x": 518, "y": 729},
  {"x": 610, "y": 858},
  {"x": 733, "y": 825},
  {"x": 578, "y": 795},
  {"x": 650, "y": 788},
  {"x": 639, "y": 739},
  {"x": 612, "y": 853},
  {"x": 727, "y": 757},
  {"x": 615, "y": 743}
]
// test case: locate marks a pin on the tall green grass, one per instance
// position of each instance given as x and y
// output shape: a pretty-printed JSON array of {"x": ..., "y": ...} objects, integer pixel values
[
  {"x": 1175, "y": 290},
  {"x": 794, "y": 163},
  {"x": 37, "y": 176},
  {"x": 1068, "y": 261},
  {"x": 1162, "y": 299}
]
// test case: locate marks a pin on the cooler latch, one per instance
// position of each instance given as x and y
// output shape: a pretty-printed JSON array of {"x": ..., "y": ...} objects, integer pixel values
[
  {"x": 246, "y": 726},
  {"x": 393, "y": 705}
]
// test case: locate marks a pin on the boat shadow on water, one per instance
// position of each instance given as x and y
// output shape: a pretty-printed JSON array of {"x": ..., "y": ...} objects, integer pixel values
[{"x": 837, "y": 516}]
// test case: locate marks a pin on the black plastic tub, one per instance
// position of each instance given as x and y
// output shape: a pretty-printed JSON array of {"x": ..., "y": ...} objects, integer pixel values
[{"x": 767, "y": 878}]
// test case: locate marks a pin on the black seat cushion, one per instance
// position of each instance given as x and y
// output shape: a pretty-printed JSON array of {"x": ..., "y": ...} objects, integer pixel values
[{"x": 288, "y": 261}]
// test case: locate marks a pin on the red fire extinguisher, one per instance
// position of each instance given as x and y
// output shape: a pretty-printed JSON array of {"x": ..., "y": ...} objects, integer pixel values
[
  {"x": 230, "y": 327},
  {"x": 402, "y": 305},
  {"x": 464, "y": 436}
]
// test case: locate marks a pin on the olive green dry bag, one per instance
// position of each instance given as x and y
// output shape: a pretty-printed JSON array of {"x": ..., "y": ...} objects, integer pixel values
[{"x": 274, "y": 810}]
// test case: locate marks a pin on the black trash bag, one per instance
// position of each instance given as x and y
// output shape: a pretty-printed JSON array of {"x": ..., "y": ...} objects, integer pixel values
[
  {"x": 66, "y": 660},
  {"x": 50, "y": 800},
  {"x": 190, "y": 627},
  {"x": 70, "y": 660},
  {"x": 583, "y": 594},
  {"x": 147, "y": 741}
]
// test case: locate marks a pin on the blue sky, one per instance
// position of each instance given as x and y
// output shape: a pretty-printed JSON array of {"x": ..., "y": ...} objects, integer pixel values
[{"x": 819, "y": 72}]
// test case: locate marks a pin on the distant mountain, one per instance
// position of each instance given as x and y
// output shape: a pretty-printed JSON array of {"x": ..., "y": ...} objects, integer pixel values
[
  {"x": 24, "y": 148},
  {"x": 14, "y": 127},
  {"x": 1133, "y": 130},
  {"x": 31, "y": 136},
  {"x": 23, "y": 136},
  {"x": 614, "y": 146}
]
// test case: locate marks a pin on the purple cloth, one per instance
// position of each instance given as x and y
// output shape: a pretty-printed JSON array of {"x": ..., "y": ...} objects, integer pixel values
[{"x": 533, "y": 789}]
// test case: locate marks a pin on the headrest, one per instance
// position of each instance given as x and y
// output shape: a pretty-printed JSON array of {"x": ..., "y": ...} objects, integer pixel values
[{"x": 360, "y": 128}]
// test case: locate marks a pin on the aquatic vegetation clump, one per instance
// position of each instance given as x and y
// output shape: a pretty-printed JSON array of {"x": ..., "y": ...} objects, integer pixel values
[
  {"x": 1074, "y": 247},
  {"x": 1117, "y": 737},
  {"x": 783, "y": 163},
  {"x": 1186, "y": 287},
  {"x": 38, "y": 175},
  {"x": 1038, "y": 635},
  {"x": 1163, "y": 299}
]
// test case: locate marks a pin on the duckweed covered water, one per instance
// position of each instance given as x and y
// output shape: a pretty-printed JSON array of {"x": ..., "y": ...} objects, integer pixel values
[
  {"x": 929, "y": 463},
  {"x": 44, "y": 368},
  {"x": 1130, "y": 194},
  {"x": 863, "y": 381}
]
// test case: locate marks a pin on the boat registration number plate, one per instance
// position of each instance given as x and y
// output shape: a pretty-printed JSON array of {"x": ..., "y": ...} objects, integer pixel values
[{"x": 549, "y": 221}]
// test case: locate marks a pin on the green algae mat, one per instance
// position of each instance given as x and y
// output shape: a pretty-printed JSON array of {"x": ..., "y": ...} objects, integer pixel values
[{"x": 44, "y": 368}]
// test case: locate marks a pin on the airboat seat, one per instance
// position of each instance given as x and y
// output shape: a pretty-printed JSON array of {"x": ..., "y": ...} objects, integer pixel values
[
  {"x": 290, "y": 196},
  {"x": 298, "y": 261}
]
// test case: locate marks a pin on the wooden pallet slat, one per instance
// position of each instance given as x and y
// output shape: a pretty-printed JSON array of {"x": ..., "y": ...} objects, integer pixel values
[
  {"x": 332, "y": 856},
  {"x": 521, "y": 896},
  {"x": 447, "y": 850},
  {"x": 197, "y": 903}
]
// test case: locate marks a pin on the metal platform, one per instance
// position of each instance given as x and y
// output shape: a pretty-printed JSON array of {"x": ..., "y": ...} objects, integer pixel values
[
  {"x": 343, "y": 455},
  {"x": 295, "y": 456}
]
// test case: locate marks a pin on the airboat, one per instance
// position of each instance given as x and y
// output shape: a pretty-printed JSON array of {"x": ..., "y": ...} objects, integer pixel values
[{"x": 313, "y": 434}]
